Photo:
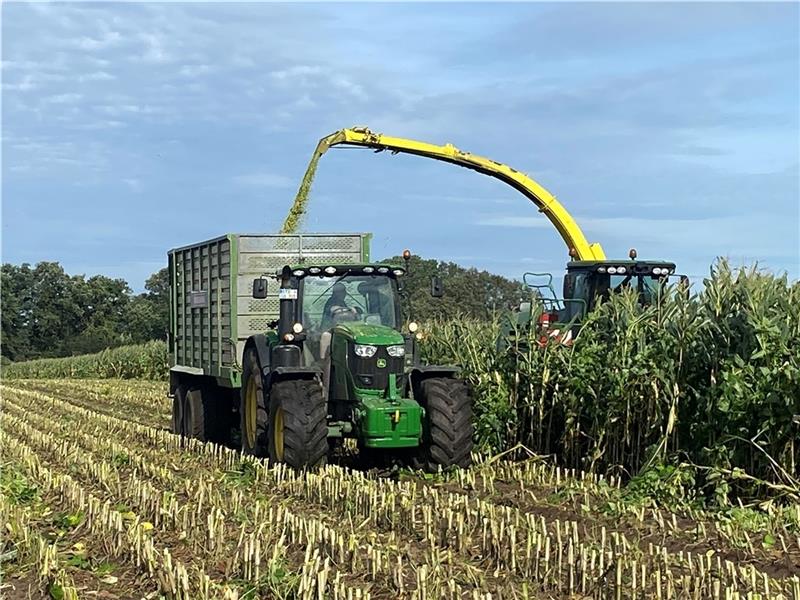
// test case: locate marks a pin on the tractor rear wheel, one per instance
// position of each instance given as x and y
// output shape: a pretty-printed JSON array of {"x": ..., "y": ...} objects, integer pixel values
[
  {"x": 178, "y": 401},
  {"x": 298, "y": 424},
  {"x": 253, "y": 407},
  {"x": 447, "y": 430}
]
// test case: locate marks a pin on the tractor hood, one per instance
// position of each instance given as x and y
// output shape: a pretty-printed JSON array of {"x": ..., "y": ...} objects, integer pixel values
[{"x": 365, "y": 333}]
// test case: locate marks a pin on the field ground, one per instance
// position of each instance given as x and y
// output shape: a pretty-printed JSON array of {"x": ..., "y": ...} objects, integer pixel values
[{"x": 99, "y": 500}]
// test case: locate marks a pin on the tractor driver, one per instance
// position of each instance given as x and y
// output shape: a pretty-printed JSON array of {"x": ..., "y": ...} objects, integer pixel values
[{"x": 336, "y": 308}]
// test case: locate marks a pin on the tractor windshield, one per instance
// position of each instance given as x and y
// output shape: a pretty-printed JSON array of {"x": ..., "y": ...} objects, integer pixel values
[{"x": 350, "y": 297}]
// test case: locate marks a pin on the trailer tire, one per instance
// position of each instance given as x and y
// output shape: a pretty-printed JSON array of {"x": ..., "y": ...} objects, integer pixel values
[
  {"x": 196, "y": 415},
  {"x": 253, "y": 415},
  {"x": 447, "y": 428},
  {"x": 298, "y": 417},
  {"x": 178, "y": 400}
]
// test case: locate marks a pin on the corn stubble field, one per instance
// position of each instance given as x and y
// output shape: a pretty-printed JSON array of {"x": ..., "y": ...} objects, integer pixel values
[
  {"x": 666, "y": 466},
  {"x": 101, "y": 501}
]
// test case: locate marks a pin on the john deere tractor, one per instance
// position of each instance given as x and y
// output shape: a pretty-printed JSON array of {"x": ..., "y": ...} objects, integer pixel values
[{"x": 337, "y": 363}]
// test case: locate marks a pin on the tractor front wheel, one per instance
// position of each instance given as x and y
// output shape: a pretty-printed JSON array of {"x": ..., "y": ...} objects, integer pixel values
[
  {"x": 298, "y": 424},
  {"x": 447, "y": 430},
  {"x": 253, "y": 407}
]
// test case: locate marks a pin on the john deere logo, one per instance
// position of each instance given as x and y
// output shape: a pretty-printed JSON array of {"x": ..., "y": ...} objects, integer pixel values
[{"x": 381, "y": 363}]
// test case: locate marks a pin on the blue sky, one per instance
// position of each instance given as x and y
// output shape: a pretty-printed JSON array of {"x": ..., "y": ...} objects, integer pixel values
[{"x": 129, "y": 129}]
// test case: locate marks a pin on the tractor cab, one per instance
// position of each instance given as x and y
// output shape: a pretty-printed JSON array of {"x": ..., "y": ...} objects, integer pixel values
[{"x": 322, "y": 307}]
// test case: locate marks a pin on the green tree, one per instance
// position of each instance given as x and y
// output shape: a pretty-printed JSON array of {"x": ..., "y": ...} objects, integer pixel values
[
  {"x": 48, "y": 313},
  {"x": 467, "y": 291},
  {"x": 148, "y": 314},
  {"x": 56, "y": 314},
  {"x": 15, "y": 288},
  {"x": 104, "y": 322}
]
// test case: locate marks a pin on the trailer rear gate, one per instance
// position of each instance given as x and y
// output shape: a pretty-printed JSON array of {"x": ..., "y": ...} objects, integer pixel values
[{"x": 212, "y": 310}]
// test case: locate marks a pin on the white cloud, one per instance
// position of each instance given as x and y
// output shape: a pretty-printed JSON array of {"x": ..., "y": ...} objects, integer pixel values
[
  {"x": 116, "y": 110},
  {"x": 134, "y": 183},
  {"x": 27, "y": 84},
  {"x": 301, "y": 72},
  {"x": 96, "y": 76},
  {"x": 318, "y": 77},
  {"x": 109, "y": 39},
  {"x": 194, "y": 70},
  {"x": 269, "y": 180},
  {"x": 69, "y": 98},
  {"x": 154, "y": 51}
]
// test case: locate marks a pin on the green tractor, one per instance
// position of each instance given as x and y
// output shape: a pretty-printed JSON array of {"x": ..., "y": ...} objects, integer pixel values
[{"x": 338, "y": 363}]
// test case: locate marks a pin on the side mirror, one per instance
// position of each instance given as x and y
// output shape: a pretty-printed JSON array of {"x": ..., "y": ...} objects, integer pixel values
[
  {"x": 437, "y": 290},
  {"x": 260, "y": 288}
]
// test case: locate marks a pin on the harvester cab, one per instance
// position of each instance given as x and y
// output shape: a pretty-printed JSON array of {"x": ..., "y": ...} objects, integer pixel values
[
  {"x": 586, "y": 283},
  {"x": 340, "y": 362}
]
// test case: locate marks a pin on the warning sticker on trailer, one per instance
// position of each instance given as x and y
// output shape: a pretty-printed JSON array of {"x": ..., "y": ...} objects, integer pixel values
[{"x": 287, "y": 294}]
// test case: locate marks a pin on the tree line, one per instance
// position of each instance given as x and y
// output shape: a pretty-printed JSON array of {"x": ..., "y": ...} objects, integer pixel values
[{"x": 48, "y": 313}]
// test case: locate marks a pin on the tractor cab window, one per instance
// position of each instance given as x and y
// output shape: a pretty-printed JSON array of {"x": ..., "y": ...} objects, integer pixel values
[{"x": 365, "y": 298}]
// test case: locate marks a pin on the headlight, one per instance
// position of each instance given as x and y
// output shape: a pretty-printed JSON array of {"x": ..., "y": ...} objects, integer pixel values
[
  {"x": 368, "y": 269},
  {"x": 314, "y": 270},
  {"x": 330, "y": 270},
  {"x": 396, "y": 351},
  {"x": 298, "y": 272},
  {"x": 657, "y": 271},
  {"x": 601, "y": 269},
  {"x": 297, "y": 328},
  {"x": 412, "y": 327},
  {"x": 621, "y": 269},
  {"x": 612, "y": 270},
  {"x": 365, "y": 350},
  {"x": 398, "y": 272},
  {"x": 383, "y": 270}
]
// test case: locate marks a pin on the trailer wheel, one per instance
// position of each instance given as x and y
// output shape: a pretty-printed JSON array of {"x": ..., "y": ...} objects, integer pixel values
[
  {"x": 195, "y": 415},
  {"x": 206, "y": 415},
  {"x": 298, "y": 417},
  {"x": 447, "y": 429},
  {"x": 253, "y": 408},
  {"x": 178, "y": 400}
]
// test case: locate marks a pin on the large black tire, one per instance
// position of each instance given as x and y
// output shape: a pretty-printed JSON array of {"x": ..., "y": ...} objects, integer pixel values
[
  {"x": 178, "y": 401},
  {"x": 447, "y": 429},
  {"x": 253, "y": 415},
  {"x": 198, "y": 417},
  {"x": 206, "y": 415},
  {"x": 298, "y": 417}
]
